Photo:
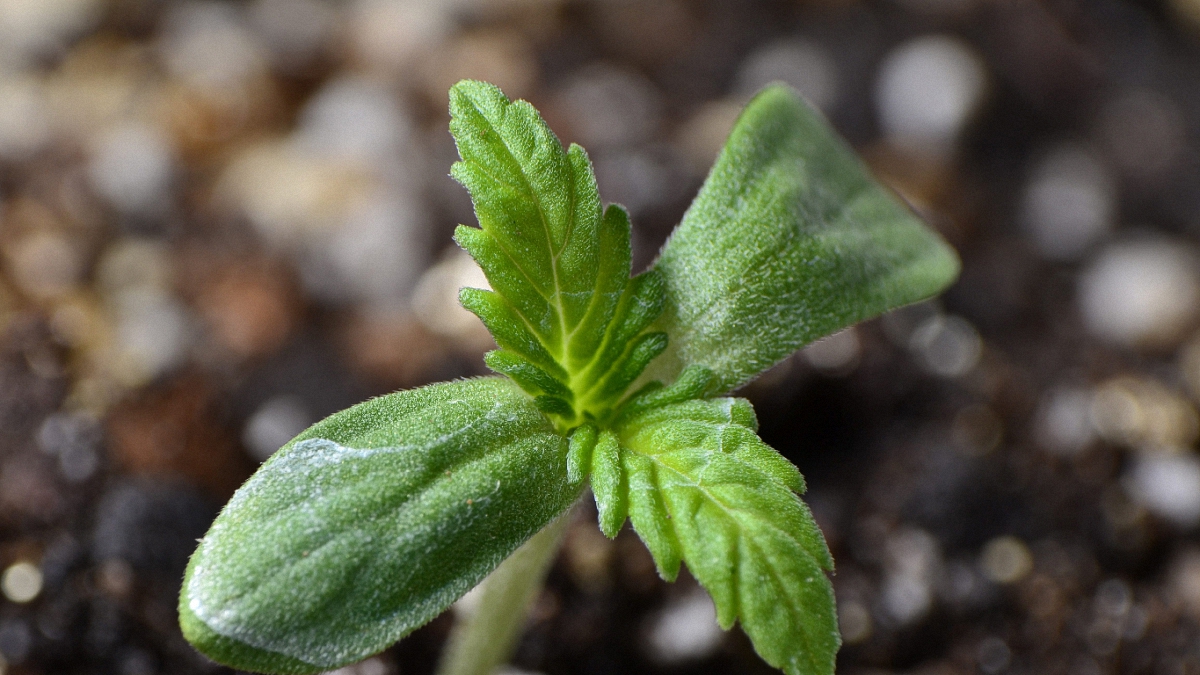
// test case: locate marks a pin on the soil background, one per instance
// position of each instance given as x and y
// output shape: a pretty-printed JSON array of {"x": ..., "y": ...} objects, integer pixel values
[{"x": 221, "y": 221}]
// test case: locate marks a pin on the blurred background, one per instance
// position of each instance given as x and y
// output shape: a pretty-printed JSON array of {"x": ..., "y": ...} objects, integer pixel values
[{"x": 221, "y": 221}]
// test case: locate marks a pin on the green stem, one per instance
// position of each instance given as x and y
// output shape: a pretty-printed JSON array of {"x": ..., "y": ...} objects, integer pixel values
[{"x": 487, "y": 638}]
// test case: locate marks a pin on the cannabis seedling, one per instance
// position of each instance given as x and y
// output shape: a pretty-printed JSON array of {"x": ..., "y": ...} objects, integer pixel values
[{"x": 376, "y": 519}]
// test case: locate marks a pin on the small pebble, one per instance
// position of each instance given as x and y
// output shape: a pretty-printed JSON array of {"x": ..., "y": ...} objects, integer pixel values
[
  {"x": 153, "y": 334},
  {"x": 906, "y": 599},
  {"x": 589, "y": 554},
  {"x": 134, "y": 264},
  {"x": 1064, "y": 424},
  {"x": 466, "y": 606},
  {"x": 292, "y": 197},
  {"x": 354, "y": 118},
  {"x": 249, "y": 308},
  {"x": 949, "y": 346},
  {"x": 993, "y": 655},
  {"x": 703, "y": 135},
  {"x": 209, "y": 45},
  {"x": 1141, "y": 293},
  {"x": 46, "y": 264},
  {"x": 899, "y": 324},
  {"x": 21, "y": 582},
  {"x": 294, "y": 30},
  {"x": 685, "y": 629},
  {"x": 136, "y": 662},
  {"x": 1168, "y": 486},
  {"x": 961, "y": 583},
  {"x": 115, "y": 577},
  {"x": 927, "y": 90},
  {"x": 435, "y": 298},
  {"x": 803, "y": 64},
  {"x": 73, "y": 439},
  {"x": 1184, "y": 580},
  {"x": 132, "y": 167},
  {"x": 24, "y": 121},
  {"x": 1144, "y": 414},
  {"x": 1113, "y": 598},
  {"x": 387, "y": 36},
  {"x": 607, "y": 108},
  {"x": 1006, "y": 560},
  {"x": 375, "y": 255},
  {"x": 913, "y": 558},
  {"x": 502, "y": 57},
  {"x": 636, "y": 180},
  {"x": 854, "y": 621},
  {"x": 31, "y": 29},
  {"x": 1069, "y": 203},
  {"x": 276, "y": 422},
  {"x": 837, "y": 354}
]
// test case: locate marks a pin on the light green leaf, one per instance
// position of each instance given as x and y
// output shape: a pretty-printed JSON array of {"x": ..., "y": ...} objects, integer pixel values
[
  {"x": 579, "y": 454},
  {"x": 608, "y": 484},
  {"x": 703, "y": 488},
  {"x": 790, "y": 239},
  {"x": 538, "y": 207},
  {"x": 372, "y": 522},
  {"x": 563, "y": 301}
]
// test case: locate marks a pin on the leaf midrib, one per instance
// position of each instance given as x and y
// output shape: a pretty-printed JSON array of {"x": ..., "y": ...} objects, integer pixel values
[{"x": 554, "y": 255}]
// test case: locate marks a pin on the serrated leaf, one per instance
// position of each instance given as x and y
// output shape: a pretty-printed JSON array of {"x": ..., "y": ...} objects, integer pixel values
[
  {"x": 563, "y": 299},
  {"x": 790, "y": 239},
  {"x": 703, "y": 488},
  {"x": 537, "y": 204},
  {"x": 538, "y": 209},
  {"x": 371, "y": 523}
]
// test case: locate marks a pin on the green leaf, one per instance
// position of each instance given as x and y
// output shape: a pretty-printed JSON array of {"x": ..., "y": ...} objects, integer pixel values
[
  {"x": 579, "y": 455},
  {"x": 703, "y": 488},
  {"x": 790, "y": 239},
  {"x": 608, "y": 484},
  {"x": 693, "y": 382},
  {"x": 562, "y": 299},
  {"x": 372, "y": 522}
]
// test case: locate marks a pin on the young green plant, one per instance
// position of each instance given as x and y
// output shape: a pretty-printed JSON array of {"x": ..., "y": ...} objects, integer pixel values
[{"x": 374, "y": 520}]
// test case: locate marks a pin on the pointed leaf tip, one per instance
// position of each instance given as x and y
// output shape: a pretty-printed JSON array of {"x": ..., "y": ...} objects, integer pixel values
[{"x": 790, "y": 239}]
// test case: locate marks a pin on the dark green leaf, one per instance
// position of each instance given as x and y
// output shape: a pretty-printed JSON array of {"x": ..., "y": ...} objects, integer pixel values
[
  {"x": 790, "y": 239},
  {"x": 371, "y": 523}
]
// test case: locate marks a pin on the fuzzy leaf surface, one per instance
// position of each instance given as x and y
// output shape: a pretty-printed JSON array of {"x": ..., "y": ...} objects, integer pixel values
[
  {"x": 372, "y": 522},
  {"x": 789, "y": 239},
  {"x": 563, "y": 307},
  {"x": 702, "y": 488}
]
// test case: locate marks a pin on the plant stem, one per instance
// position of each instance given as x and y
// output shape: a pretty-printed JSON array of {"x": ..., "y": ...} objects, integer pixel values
[{"x": 486, "y": 638}]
